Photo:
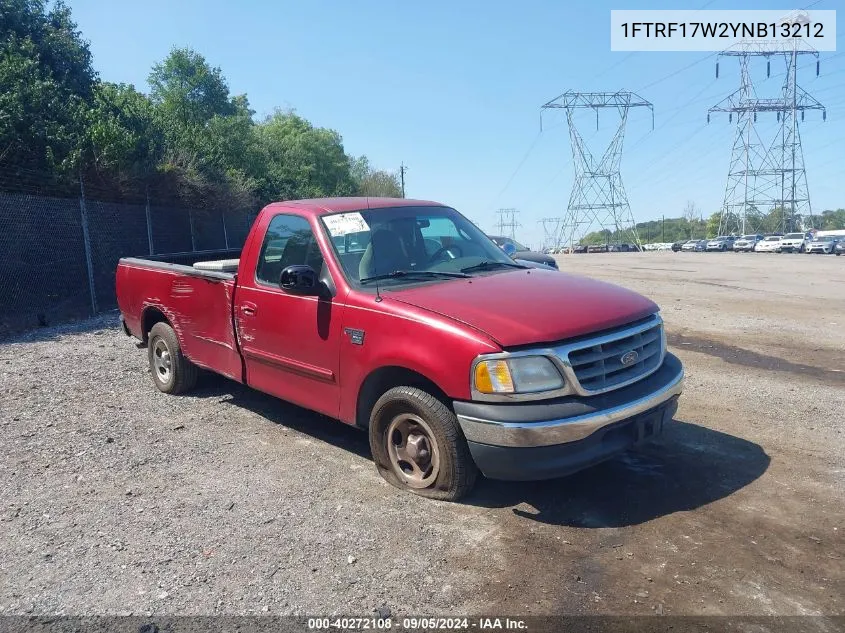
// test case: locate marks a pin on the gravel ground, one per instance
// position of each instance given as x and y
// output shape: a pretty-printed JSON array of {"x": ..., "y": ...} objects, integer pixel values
[{"x": 119, "y": 499}]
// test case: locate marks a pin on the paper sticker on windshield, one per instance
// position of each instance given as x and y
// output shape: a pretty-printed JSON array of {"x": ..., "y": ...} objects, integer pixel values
[{"x": 341, "y": 224}]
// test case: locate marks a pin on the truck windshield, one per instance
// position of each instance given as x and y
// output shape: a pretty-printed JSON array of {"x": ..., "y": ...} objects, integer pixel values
[{"x": 404, "y": 245}]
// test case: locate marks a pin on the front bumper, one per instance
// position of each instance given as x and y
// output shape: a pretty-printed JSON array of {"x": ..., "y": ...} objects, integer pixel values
[{"x": 547, "y": 439}]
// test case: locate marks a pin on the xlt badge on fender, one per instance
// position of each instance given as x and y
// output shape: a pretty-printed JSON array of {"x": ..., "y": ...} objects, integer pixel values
[{"x": 356, "y": 336}]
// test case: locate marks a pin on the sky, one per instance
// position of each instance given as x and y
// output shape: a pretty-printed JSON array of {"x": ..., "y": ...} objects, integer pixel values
[{"x": 453, "y": 89}]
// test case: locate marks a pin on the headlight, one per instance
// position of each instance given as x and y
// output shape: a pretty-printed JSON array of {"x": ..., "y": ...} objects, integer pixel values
[{"x": 522, "y": 374}]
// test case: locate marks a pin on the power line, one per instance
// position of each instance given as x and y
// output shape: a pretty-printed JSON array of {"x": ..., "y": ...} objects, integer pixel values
[{"x": 518, "y": 167}]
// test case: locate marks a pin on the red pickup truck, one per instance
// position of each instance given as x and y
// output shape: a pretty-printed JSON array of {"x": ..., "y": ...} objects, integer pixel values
[{"x": 402, "y": 318}]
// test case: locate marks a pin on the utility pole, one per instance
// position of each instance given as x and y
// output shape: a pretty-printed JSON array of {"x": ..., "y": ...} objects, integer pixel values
[
  {"x": 402, "y": 169},
  {"x": 663, "y": 221}
]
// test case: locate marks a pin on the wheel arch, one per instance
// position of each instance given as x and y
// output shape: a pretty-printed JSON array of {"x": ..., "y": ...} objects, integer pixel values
[
  {"x": 385, "y": 378},
  {"x": 149, "y": 317}
]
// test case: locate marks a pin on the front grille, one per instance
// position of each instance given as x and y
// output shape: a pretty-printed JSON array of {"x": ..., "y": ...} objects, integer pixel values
[{"x": 597, "y": 362}]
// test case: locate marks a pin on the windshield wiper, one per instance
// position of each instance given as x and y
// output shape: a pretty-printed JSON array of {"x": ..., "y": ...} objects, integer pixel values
[
  {"x": 489, "y": 264},
  {"x": 414, "y": 273}
]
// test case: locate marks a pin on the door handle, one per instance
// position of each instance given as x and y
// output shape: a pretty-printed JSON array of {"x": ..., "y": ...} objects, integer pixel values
[{"x": 248, "y": 308}]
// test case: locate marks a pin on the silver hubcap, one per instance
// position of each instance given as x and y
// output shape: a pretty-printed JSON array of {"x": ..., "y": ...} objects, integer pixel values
[
  {"x": 413, "y": 451},
  {"x": 162, "y": 363}
]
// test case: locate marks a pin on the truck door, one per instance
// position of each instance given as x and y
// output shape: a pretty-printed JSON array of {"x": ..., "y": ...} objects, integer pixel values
[{"x": 289, "y": 342}]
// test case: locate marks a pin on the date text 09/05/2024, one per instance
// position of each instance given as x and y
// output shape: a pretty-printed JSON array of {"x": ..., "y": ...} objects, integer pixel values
[
  {"x": 752, "y": 30},
  {"x": 417, "y": 623}
]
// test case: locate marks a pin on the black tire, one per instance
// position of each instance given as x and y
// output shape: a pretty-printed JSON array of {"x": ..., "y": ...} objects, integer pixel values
[
  {"x": 456, "y": 472},
  {"x": 180, "y": 374}
]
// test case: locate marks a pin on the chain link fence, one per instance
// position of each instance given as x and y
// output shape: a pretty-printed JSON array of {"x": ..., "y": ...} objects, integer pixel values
[{"x": 58, "y": 255}]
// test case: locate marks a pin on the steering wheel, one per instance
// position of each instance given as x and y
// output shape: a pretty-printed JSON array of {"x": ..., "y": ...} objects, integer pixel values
[{"x": 447, "y": 250}]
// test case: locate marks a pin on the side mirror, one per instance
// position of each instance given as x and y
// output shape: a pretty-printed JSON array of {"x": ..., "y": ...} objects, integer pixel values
[
  {"x": 509, "y": 248},
  {"x": 300, "y": 279}
]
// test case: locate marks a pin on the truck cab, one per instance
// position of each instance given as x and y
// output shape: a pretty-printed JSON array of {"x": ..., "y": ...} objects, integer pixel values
[{"x": 400, "y": 317}]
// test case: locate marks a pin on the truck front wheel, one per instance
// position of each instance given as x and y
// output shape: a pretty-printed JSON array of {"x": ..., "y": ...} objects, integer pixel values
[
  {"x": 418, "y": 446},
  {"x": 172, "y": 372}
]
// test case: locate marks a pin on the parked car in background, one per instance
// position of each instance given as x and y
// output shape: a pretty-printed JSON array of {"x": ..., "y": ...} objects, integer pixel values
[
  {"x": 677, "y": 246},
  {"x": 695, "y": 246},
  {"x": 598, "y": 248},
  {"x": 840, "y": 247},
  {"x": 529, "y": 264},
  {"x": 795, "y": 242},
  {"x": 414, "y": 344},
  {"x": 826, "y": 244},
  {"x": 746, "y": 243},
  {"x": 518, "y": 251},
  {"x": 721, "y": 243},
  {"x": 769, "y": 244},
  {"x": 579, "y": 248},
  {"x": 623, "y": 248}
]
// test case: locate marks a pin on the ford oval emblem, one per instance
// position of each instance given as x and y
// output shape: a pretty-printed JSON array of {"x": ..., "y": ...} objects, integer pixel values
[{"x": 629, "y": 358}]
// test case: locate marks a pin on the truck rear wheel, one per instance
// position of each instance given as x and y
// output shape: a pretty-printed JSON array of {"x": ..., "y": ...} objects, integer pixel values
[
  {"x": 172, "y": 372},
  {"x": 418, "y": 446}
]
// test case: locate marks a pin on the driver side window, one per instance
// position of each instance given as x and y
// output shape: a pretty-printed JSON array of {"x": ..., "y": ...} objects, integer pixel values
[{"x": 289, "y": 241}]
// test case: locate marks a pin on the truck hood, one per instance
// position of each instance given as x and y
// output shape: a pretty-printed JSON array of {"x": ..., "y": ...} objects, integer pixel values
[{"x": 522, "y": 307}]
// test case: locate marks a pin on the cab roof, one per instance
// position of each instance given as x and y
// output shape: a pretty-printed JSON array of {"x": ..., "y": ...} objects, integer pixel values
[{"x": 324, "y": 206}]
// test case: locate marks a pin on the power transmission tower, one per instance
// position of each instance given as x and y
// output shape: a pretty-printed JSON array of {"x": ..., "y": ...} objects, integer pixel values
[
  {"x": 552, "y": 232},
  {"x": 598, "y": 199},
  {"x": 766, "y": 172},
  {"x": 507, "y": 223}
]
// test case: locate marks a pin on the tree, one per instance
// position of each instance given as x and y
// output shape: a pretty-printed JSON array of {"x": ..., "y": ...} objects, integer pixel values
[
  {"x": 301, "y": 161},
  {"x": 188, "y": 142},
  {"x": 380, "y": 183},
  {"x": 188, "y": 93},
  {"x": 371, "y": 182},
  {"x": 229, "y": 143},
  {"x": 833, "y": 220},
  {"x": 122, "y": 133},
  {"x": 691, "y": 215},
  {"x": 754, "y": 219},
  {"x": 728, "y": 224},
  {"x": 46, "y": 82}
]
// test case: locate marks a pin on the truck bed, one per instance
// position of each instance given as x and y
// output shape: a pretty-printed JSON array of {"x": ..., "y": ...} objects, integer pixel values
[
  {"x": 196, "y": 300},
  {"x": 198, "y": 263}
]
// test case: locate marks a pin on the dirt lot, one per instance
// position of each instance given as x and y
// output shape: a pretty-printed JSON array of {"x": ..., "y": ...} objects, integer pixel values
[{"x": 118, "y": 499}]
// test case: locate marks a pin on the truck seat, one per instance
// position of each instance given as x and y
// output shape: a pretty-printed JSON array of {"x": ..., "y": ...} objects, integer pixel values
[{"x": 391, "y": 256}]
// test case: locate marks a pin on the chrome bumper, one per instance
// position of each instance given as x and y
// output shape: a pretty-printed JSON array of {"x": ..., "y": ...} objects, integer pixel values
[{"x": 551, "y": 432}]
